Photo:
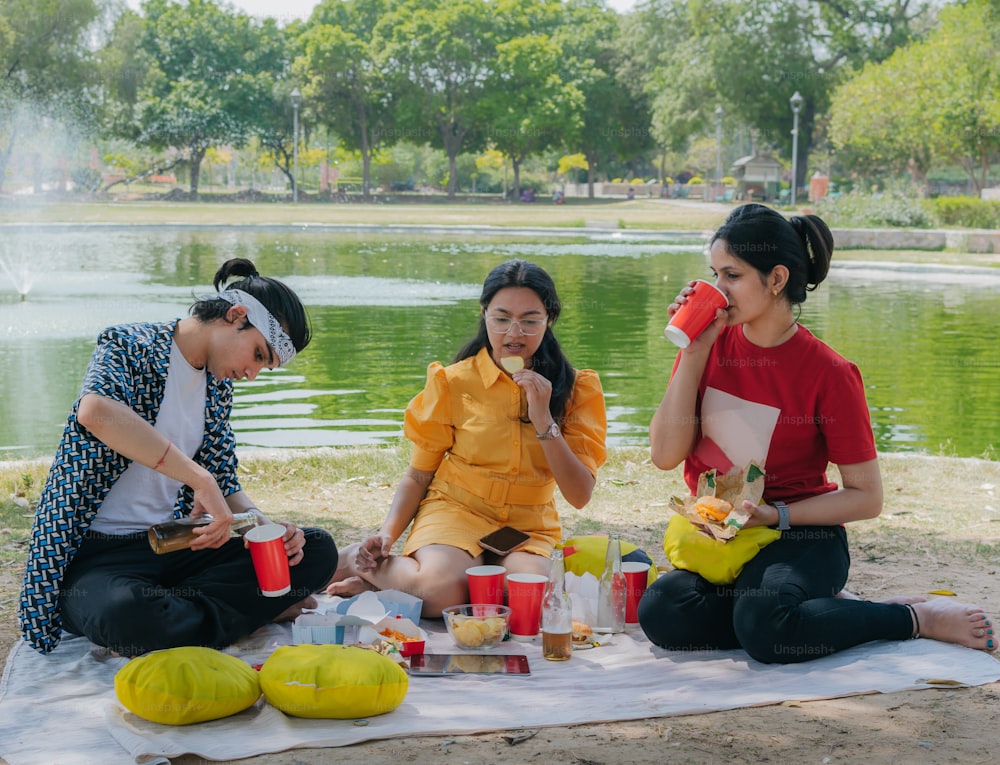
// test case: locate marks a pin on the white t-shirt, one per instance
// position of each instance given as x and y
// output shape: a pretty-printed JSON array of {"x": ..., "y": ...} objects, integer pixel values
[{"x": 142, "y": 497}]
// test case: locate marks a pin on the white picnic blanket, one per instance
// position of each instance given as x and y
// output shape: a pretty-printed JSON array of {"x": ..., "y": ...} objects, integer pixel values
[{"x": 62, "y": 707}]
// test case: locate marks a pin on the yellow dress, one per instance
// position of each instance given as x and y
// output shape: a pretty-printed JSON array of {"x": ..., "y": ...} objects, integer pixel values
[{"x": 489, "y": 467}]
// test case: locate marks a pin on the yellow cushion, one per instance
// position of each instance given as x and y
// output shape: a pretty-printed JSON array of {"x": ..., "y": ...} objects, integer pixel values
[
  {"x": 718, "y": 562},
  {"x": 590, "y": 552},
  {"x": 332, "y": 681},
  {"x": 178, "y": 686}
]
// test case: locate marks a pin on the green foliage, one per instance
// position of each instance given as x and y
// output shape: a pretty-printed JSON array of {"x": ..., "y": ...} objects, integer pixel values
[
  {"x": 211, "y": 72},
  {"x": 894, "y": 208},
  {"x": 967, "y": 212},
  {"x": 932, "y": 101}
]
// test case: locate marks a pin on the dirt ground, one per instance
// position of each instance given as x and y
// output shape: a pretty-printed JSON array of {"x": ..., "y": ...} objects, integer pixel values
[{"x": 923, "y": 542}]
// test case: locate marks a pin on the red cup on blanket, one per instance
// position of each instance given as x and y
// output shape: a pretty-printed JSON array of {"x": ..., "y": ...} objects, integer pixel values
[
  {"x": 270, "y": 562},
  {"x": 524, "y": 596},
  {"x": 486, "y": 584},
  {"x": 636, "y": 578},
  {"x": 694, "y": 316}
]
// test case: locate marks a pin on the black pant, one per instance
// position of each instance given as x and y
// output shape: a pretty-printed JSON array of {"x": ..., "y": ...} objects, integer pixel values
[
  {"x": 120, "y": 594},
  {"x": 781, "y": 608}
]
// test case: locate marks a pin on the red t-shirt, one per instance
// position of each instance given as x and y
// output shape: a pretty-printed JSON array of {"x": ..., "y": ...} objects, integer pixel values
[{"x": 793, "y": 409}]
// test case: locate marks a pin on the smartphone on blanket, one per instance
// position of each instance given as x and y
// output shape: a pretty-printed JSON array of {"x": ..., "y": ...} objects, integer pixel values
[
  {"x": 504, "y": 540},
  {"x": 434, "y": 664}
]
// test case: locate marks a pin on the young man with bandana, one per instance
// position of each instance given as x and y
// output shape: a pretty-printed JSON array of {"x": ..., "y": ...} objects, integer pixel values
[{"x": 149, "y": 440}]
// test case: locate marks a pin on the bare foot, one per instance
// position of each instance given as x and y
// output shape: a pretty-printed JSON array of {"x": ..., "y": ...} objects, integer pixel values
[
  {"x": 291, "y": 613},
  {"x": 950, "y": 622},
  {"x": 902, "y": 600},
  {"x": 352, "y": 585}
]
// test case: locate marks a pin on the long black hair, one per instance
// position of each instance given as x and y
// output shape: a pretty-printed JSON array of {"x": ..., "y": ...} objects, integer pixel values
[
  {"x": 764, "y": 238},
  {"x": 549, "y": 360},
  {"x": 274, "y": 295}
]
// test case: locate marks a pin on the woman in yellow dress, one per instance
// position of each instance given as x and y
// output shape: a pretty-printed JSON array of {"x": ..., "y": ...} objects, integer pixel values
[{"x": 493, "y": 435}]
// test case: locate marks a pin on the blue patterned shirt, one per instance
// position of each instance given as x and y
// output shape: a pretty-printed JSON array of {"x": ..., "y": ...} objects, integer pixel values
[{"x": 129, "y": 365}]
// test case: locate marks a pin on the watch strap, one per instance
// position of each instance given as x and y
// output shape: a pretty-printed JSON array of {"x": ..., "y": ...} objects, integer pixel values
[
  {"x": 552, "y": 431},
  {"x": 783, "y": 518}
]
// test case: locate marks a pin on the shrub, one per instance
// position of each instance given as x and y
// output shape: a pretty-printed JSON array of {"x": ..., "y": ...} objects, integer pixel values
[
  {"x": 894, "y": 208},
  {"x": 967, "y": 212}
]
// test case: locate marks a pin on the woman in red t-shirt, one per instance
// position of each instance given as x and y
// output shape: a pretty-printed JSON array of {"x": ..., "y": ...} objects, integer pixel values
[{"x": 758, "y": 386}]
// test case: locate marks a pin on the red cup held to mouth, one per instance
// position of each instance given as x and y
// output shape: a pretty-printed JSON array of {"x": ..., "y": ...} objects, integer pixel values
[{"x": 694, "y": 316}]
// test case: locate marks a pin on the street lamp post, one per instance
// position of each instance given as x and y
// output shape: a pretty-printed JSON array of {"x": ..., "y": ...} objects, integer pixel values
[
  {"x": 718, "y": 151},
  {"x": 296, "y": 102},
  {"x": 796, "y": 102}
]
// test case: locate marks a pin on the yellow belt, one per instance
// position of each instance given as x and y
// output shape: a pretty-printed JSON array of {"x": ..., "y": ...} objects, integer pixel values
[{"x": 497, "y": 491}]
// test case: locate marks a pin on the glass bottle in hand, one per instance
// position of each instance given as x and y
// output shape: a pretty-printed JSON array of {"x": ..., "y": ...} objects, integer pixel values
[
  {"x": 557, "y": 613},
  {"x": 178, "y": 534}
]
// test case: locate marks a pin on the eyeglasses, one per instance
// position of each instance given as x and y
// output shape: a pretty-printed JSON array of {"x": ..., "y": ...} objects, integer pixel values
[{"x": 501, "y": 325}]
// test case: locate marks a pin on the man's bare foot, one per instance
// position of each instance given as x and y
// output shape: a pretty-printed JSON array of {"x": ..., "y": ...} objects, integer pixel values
[
  {"x": 291, "y": 613},
  {"x": 950, "y": 622},
  {"x": 352, "y": 585},
  {"x": 902, "y": 600}
]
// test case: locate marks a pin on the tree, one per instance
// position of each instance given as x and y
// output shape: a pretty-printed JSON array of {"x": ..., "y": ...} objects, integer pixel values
[
  {"x": 441, "y": 53},
  {"x": 528, "y": 107},
  {"x": 750, "y": 56},
  {"x": 936, "y": 99},
  {"x": 211, "y": 72},
  {"x": 615, "y": 116},
  {"x": 344, "y": 74},
  {"x": 46, "y": 68}
]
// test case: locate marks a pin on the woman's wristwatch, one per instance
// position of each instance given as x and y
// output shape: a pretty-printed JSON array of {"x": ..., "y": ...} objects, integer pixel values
[
  {"x": 551, "y": 432},
  {"x": 782, "y": 508}
]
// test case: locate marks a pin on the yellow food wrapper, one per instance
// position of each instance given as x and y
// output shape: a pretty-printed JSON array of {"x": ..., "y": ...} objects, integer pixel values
[{"x": 734, "y": 487}]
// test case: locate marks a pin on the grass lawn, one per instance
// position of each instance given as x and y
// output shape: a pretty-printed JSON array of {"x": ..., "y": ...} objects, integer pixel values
[{"x": 583, "y": 214}]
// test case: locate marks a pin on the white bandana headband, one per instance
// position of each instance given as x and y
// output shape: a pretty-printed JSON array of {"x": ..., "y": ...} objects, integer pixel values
[{"x": 262, "y": 319}]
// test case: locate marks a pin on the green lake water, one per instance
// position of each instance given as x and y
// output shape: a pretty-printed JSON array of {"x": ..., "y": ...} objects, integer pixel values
[{"x": 385, "y": 303}]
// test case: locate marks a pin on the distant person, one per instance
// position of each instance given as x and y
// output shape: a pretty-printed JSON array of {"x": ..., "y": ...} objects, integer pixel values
[
  {"x": 758, "y": 386},
  {"x": 148, "y": 440},
  {"x": 631, "y": 193},
  {"x": 494, "y": 434}
]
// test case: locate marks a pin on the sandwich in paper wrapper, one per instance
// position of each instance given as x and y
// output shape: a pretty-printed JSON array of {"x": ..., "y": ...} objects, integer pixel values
[{"x": 717, "y": 510}]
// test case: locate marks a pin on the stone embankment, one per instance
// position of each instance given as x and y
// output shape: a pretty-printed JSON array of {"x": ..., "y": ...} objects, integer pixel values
[{"x": 963, "y": 240}]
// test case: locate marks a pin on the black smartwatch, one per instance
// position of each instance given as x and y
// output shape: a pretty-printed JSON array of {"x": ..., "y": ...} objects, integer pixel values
[{"x": 782, "y": 508}]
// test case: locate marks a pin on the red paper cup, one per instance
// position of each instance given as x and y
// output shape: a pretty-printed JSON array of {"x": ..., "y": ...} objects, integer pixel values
[
  {"x": 486, "y": 584},
  {"x": 636, "y": 577},
  {"x": 696, "y": 314},
  {"x": 524, "y": 596},
  {"x": 267, "y": 550}
]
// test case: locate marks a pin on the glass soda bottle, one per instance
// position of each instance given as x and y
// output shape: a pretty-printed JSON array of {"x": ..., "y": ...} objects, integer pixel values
[
  {"x": 179, "y": 533},
  {"x": 611, "y": 597},
  {"x": 557, "y": 613}
]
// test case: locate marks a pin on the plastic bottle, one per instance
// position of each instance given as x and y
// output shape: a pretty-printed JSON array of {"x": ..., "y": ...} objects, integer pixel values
[
  {"x": 179, "y": 533},
  {"x": 557, "y": 613},
  {"x": 611, "y": 597}
]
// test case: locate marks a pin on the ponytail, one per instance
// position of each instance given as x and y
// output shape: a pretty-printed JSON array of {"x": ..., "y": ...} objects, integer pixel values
[{"x": 764, "y": 238}]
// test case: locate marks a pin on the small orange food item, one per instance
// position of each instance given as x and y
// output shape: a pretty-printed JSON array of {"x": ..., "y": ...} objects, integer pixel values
[
  {"x": 399, "y": 637},
  {"x": 582, "y": 633},
  {"x": 712, "y": 508}
]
